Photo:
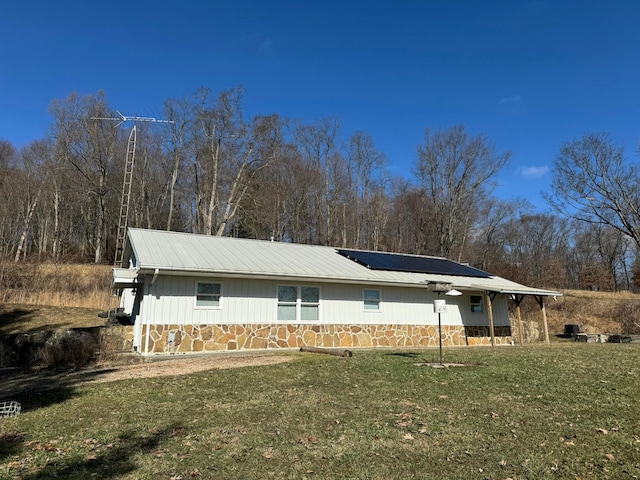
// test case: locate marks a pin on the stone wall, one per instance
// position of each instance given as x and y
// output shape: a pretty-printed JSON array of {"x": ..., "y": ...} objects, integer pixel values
[
  {"x": 22, "y": 350},
  {"x": 209, "y": 338}
]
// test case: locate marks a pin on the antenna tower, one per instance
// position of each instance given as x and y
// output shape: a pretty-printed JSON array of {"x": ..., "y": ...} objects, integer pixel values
[{"x": 128, "y": 175}]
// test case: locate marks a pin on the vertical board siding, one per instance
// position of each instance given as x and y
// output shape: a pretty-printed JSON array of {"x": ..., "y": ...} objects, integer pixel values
[{"x": 171, "y": 301}]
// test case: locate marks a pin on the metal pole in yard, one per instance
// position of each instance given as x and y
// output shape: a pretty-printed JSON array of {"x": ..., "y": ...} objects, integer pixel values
[{"x": 440, "y": 329}]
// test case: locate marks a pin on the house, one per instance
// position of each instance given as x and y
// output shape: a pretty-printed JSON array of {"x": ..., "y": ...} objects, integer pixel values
[{"x": 193, "y": 293}]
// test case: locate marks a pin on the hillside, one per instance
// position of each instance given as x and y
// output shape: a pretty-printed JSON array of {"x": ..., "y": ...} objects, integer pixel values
[{"x": 594, "y": 312}]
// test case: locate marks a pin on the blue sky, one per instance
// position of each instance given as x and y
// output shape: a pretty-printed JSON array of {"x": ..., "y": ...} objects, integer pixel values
[{"x": 528, "y": 74}]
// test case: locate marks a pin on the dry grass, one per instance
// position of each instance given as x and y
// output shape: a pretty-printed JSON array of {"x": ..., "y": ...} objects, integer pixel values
[
  {"x": 595, "y": 312},
  {"x": 29, "y": 318},
  {"x": 99, "y": 300},
  {"x": 60, "y": 285}
]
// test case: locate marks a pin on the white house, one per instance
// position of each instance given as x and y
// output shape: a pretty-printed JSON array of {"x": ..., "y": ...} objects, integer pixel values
[{"x": 195, "y": 293}]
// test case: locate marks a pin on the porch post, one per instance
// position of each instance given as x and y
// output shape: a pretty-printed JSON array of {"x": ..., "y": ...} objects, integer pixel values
[
  {"x": 540, "y": 300},
  {"x": 518, "y": 300},
  {"x": 490, "y": 314}
]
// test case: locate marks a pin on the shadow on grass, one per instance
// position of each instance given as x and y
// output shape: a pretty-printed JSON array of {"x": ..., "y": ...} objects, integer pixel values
[
  {"x": 109, "y": 461},
  {"x": 13, "y": 316},
  {"x": 16, "y": 319},
  {"x": 10, "y": 444},
  {"x": 41, "y": 389},
  {"x": 404, "y": 354}
]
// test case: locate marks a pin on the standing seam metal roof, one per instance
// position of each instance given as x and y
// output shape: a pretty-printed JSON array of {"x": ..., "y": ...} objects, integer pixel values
[{"x": 187, "y": 253}]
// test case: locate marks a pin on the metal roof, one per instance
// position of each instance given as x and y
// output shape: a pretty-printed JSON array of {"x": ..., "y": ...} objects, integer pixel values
[{"x": 185, "y": 253}]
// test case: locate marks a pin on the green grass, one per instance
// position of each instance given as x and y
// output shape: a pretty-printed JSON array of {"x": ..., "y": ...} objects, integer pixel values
[{"x": 564, "y": 411}]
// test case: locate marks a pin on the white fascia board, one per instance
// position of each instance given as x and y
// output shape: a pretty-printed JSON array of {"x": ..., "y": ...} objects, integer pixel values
[
  {"x": 124, "y": 278},
  {"x": 295, "y": 278}
]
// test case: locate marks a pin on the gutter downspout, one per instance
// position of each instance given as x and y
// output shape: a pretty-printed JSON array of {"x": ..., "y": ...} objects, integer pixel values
[{"x": 148, "y": 333}]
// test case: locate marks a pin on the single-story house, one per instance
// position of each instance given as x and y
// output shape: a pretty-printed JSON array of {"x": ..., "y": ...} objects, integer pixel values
[{"x": 189, "y": 293}]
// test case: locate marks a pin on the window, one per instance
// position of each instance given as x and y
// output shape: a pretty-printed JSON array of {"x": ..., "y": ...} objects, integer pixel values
[
  {"x": 298, "y": 303},
  {"x": 371, "y": 300},
  {"x": 208, "y": 295},
  {"x": 476, "y": 303}
]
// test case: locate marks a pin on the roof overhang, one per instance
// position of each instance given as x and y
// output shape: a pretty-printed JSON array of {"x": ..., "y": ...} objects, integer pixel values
[
  {"x": 282, "y": 277},
  {"x": 425, "y": 283},
  {"x": 124, "y": 278},
  {"x": 525, "y": 291}
]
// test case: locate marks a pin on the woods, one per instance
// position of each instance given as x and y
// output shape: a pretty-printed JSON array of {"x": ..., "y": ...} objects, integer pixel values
[{"x": 213, "y": 170}]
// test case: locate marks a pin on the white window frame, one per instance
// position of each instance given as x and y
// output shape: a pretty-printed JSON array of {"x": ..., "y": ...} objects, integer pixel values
[
  {"x": 378, "y": 308},
  {"x": 473, "y": 304},
  {"x": 219, "y": 295},
  {"x": 299, "y": 303}
]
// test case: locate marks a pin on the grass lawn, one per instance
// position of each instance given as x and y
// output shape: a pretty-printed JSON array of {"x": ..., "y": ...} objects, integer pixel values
[
  {"x": 28, "y": 318},
  {"x": 561, "y": 411}
]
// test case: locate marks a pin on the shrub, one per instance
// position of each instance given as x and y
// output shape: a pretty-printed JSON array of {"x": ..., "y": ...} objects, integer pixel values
[
  {"x": 69, "y": 349},
  {"x": 628, "y": 313}
]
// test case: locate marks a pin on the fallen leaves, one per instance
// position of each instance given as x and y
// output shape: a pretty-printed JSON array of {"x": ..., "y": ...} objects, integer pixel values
[
  {"x": 404, "y": 419},
  {"x": 308, "y": 441},
  {"x": 181, "y": 455},
  {"x": 268, "y": 453},
  {"x": 161, "y": 452}
]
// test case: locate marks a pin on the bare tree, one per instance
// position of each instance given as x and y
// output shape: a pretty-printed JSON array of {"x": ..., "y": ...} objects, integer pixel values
[
  {"x": 456, "y": 171},
  {"x": 601, "y": 257},
  {"x": 594, "y": 183},
  {"x": 8, "y": 196},
  {"x": 366, "y": 164},
  {"x": 182, "y": 114},
  {"x": 229, "y": 152},
  {"x": 318, "y": 143},
  {"x": 33, "y": 158},
  {"x": 534, "y": 244},
  {"x": 89, "y": 146},
  {"x": 494, "y": 216},
  {"x": 409, "y": 229}
]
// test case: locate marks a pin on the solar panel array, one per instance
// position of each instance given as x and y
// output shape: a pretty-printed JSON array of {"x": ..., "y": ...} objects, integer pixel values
[{"x": 398, "y": 262}]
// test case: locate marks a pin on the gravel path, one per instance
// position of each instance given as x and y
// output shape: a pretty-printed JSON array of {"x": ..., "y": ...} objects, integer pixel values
[{"x": 13, "y": 383}]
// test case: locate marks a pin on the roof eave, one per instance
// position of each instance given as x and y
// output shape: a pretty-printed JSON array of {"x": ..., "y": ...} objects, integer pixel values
[{"x": 294, "y": 277}]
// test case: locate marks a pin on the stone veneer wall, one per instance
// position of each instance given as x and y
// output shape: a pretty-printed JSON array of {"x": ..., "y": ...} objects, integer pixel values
[{"x": 209, "y": 338}]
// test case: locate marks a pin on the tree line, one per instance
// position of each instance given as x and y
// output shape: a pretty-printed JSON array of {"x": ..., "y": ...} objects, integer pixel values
[{"x": 214, "y": 171}]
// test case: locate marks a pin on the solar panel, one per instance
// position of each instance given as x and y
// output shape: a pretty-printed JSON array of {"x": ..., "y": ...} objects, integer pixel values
[{"x": 398, "y": 262}]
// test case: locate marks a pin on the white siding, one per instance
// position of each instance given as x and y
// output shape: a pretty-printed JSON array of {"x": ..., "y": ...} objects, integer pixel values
[
  {"x": 500, "y": 311},
  {"x": 127, "y": 300},
  {"x": 171, "y": 300}
]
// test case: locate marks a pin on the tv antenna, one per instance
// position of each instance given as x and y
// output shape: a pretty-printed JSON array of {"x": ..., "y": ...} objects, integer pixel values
[{"x": 128, "y": 175}]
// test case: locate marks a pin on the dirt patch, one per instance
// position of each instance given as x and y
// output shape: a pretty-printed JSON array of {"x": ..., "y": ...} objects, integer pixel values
[
  {"x": 13, "y": 384},
  {"x": 440, "y": 365},
  {"x": 182, "y": 366}
]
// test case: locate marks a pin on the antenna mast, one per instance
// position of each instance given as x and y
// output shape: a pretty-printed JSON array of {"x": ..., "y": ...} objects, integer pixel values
[{"x": 128, "y": 175}]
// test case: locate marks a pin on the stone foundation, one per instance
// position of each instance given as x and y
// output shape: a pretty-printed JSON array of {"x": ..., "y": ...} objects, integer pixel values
[{"x": 210, "y": 338}]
